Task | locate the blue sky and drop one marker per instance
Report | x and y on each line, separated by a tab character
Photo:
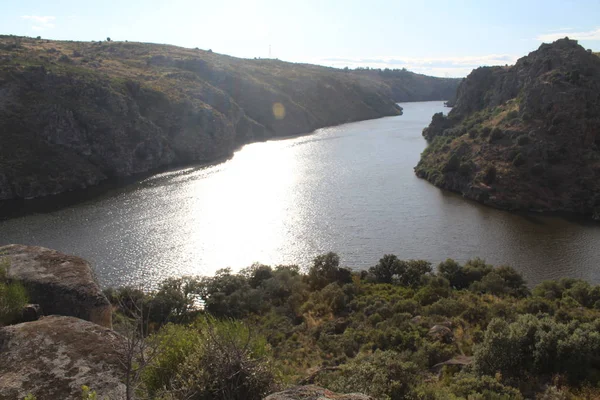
442	38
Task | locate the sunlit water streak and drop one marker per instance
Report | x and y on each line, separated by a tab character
349	189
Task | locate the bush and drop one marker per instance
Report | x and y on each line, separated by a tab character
13	297
519	160
212	360
489	175
496	134
382	374
523	140
531	346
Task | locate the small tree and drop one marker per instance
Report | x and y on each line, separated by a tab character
108	39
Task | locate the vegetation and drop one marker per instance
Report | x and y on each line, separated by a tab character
541	160
13	296
388	331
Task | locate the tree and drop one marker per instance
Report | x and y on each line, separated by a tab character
388	268
108	39
326	270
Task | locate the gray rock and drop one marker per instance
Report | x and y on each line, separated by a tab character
441	333
31	312
312	392
61	284
53	357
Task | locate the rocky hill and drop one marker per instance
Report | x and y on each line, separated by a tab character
525	137
73	114
409	86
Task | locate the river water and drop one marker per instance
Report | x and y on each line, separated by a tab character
349	189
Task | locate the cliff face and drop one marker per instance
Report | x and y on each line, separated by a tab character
523	137
73	114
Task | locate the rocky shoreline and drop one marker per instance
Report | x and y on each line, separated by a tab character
525	137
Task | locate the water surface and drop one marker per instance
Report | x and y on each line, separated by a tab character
349	189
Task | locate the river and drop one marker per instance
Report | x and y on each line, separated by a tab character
349	189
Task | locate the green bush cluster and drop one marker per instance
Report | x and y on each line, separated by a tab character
13	296
372	331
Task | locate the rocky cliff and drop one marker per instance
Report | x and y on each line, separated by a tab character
73	114
525	137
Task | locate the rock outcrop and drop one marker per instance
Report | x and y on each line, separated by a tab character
525	137
53	357
312	392
61	284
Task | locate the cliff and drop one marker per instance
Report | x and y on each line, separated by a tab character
524	137
73	114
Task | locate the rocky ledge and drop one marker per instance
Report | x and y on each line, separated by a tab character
54	357
525	137
59	283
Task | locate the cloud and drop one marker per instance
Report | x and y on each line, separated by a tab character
588	35
40	22
436	66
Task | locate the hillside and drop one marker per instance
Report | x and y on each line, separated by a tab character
409	86
73	114
524	137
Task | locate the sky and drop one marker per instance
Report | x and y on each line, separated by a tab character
440	38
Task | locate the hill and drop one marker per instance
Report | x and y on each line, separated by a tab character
73	114
524	137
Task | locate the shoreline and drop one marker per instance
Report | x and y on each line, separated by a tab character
18	208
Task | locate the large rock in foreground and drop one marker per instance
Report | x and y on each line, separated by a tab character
53	357
312	392
525	137
61	284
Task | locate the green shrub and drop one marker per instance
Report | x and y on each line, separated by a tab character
13	297
537	346
489	175
211	360
496	134
382	374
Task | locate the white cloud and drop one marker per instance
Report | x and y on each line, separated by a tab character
40	22
436	66
551	37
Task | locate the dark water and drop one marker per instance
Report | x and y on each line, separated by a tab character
349	189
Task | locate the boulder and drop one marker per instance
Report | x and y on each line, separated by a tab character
312	392
53	357
31	312
61	284
441	333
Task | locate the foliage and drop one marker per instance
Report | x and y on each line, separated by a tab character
211	359
382	374
369	331
13	296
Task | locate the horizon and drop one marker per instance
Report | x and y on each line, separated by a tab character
443	41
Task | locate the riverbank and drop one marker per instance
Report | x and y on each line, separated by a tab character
349	188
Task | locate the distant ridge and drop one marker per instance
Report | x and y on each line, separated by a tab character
73	114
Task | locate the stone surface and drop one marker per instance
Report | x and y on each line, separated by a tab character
53	357
441	333
312	392
524	137
31	312
61	284
460	361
